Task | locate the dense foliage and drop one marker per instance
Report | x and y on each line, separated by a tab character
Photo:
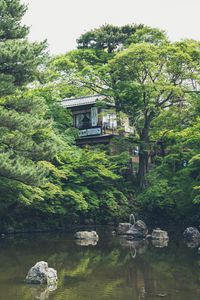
107	37
27	138
173	185
45	178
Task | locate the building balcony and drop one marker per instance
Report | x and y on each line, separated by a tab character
100	129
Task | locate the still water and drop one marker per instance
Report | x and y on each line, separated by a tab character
113	269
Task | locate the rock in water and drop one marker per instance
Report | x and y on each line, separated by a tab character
191	233
40	273
159	234
192	237
123	228
141	226
51	277
86	235
138	230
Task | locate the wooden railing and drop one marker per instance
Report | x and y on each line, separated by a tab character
105	128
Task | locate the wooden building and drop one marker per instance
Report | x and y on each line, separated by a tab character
95	124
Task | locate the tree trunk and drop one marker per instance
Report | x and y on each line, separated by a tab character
143	165
143	153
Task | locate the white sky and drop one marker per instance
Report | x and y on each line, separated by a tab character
63	21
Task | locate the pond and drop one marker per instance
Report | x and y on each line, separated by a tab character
112	269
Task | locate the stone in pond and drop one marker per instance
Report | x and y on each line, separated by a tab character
159	234
138	230
86	235
191	234
40	273
123	228
52	277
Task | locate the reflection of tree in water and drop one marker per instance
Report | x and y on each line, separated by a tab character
106	271
103	274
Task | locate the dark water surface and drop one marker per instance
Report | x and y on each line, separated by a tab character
110	270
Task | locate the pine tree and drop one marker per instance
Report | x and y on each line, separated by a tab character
12	12
27	141
19	59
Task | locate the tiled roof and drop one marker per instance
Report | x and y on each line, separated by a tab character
72	102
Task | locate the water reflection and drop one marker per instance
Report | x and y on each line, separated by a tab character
86	242
41	292
192	244
160	243
106	271
135	246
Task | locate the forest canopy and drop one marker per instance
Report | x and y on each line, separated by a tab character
46	179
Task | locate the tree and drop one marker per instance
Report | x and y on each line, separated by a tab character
85	185
41	173
147	35
174	183
107	37
12	12
27	139
19	59
146	79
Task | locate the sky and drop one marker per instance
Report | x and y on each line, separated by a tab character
61	22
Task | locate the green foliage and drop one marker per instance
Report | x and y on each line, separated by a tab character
27	137
26	140
85	186
174	182
11	15
151	81
150	77
146	79
43	174
107	37
157	195
147	35
18	62
19	59
62	120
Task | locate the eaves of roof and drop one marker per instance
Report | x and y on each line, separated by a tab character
89	100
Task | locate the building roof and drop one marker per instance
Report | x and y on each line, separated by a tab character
73	102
